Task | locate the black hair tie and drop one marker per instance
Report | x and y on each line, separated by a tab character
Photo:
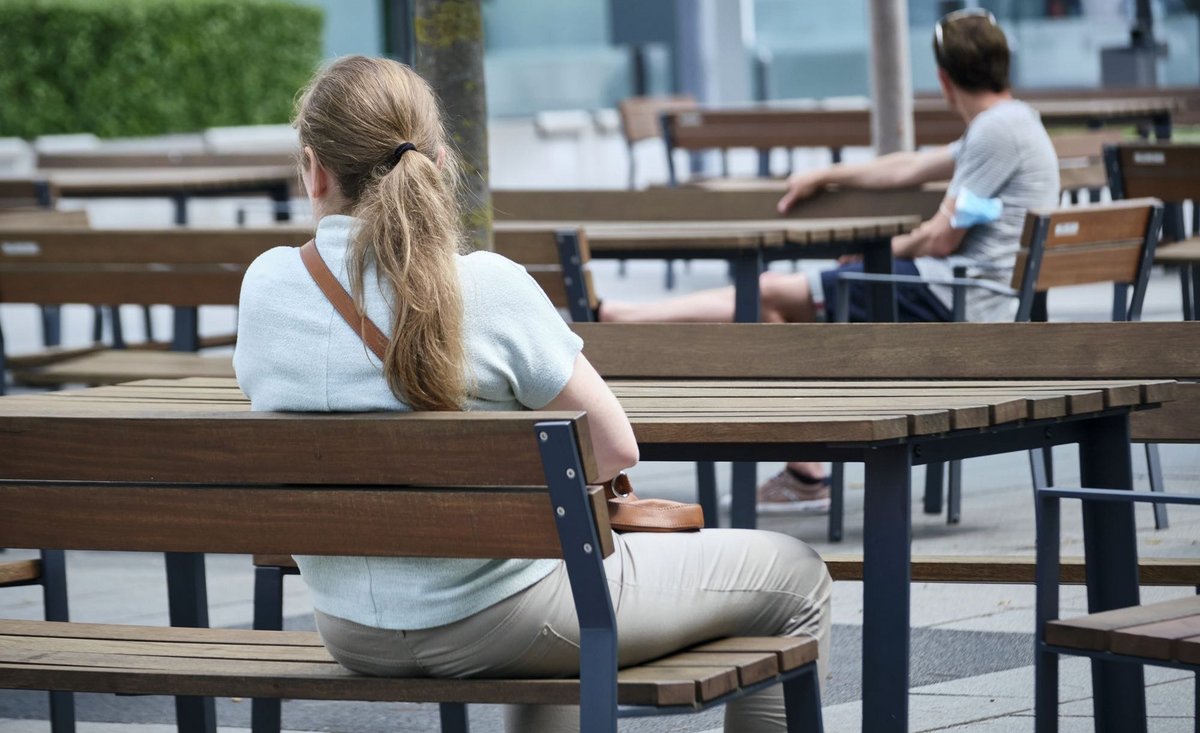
399	152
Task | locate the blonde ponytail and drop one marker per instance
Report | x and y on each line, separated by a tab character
357	116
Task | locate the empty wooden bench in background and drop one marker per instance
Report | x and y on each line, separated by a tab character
187	268
148	477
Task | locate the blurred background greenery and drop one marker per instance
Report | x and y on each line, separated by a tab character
144	67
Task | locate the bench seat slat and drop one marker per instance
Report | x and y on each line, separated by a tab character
674	685
177	634
20	571
751	667
168	649
790	652
238	662
1156	641
1093	632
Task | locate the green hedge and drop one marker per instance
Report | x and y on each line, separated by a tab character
146	67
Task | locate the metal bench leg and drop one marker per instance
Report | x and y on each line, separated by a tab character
118	333
1185	289
1154	468
706	492
802	701
837	501
54	596
97	323
266	714
933	488
187	600
954	503
454	717
1041	465
148	323
52	325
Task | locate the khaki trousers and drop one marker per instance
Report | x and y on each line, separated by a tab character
669	591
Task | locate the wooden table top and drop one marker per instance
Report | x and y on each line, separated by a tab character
671	411
129	181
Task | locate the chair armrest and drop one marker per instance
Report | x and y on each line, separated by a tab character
1154	497
959	285
1048	529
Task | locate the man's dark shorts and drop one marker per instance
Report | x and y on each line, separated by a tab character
914	303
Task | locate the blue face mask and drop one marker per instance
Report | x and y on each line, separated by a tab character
970	210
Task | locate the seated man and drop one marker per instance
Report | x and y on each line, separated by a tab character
1005	155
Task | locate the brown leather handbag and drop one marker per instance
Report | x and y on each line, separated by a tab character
626	512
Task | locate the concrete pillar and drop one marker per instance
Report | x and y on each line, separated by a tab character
891	81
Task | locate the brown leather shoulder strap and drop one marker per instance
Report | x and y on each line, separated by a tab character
342	302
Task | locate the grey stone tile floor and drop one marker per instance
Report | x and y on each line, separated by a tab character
971	644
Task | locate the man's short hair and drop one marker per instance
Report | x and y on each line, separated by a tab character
973	52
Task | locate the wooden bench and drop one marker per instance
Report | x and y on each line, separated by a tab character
145	478
1169	172
191	267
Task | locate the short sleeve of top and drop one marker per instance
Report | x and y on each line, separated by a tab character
518	345
985	158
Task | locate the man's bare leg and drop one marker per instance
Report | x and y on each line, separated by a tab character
786	298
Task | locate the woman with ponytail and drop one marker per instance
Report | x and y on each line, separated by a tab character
472	332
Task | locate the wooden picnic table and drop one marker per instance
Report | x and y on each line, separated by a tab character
887	425
747	245
178	184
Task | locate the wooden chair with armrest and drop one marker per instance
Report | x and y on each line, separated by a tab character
1073	246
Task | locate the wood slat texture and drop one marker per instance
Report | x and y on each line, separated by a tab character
1015	569
108	441
222	662
38	218
686	203
166	181
1179	253
331	520
1093	632
640	116
115	367
1155	641
195	286
894	351
165	245
1166	171
1118	221
1080	265
19	571
957	569
170	159
790	652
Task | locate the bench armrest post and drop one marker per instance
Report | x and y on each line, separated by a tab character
1048	571
583	554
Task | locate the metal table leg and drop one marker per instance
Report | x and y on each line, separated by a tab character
1110	545
743	513
887	532
881	297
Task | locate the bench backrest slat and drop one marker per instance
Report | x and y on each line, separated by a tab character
166	159
426	449
487	523
139	286
895	351
41	217
696	204
558	259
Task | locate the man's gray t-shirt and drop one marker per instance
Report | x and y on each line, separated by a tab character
1004	154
